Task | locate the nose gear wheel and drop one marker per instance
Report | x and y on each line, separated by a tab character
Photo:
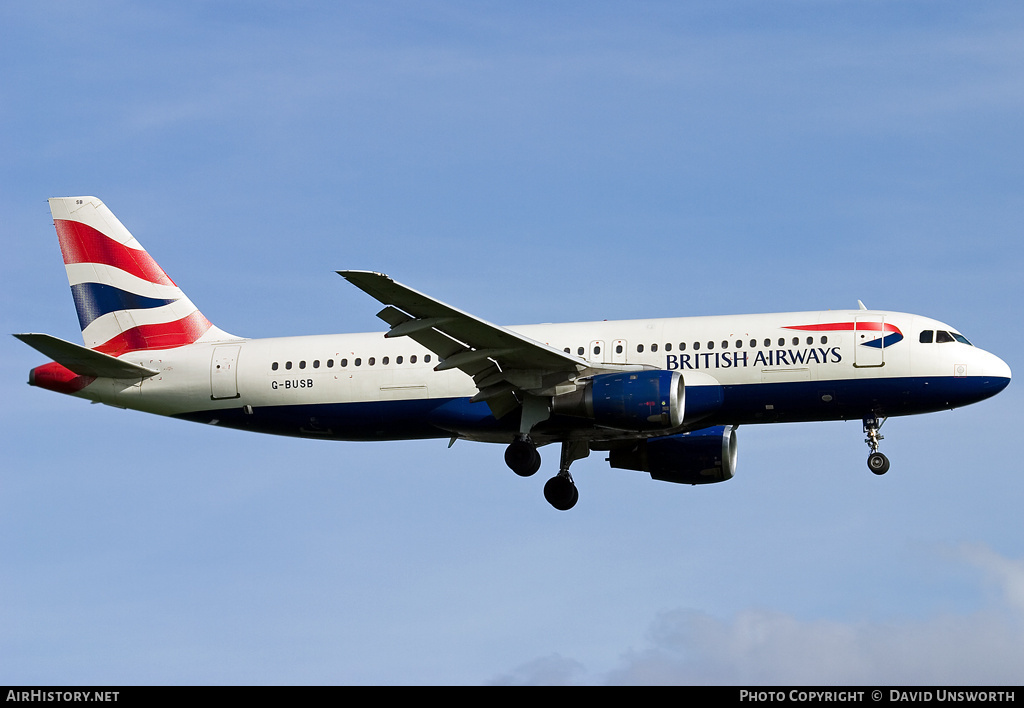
877	462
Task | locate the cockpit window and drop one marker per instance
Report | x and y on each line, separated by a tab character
941	336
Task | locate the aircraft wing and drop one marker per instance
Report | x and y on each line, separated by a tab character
501	362
84	361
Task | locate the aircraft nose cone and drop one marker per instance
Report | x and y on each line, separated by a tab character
1004	372
997	375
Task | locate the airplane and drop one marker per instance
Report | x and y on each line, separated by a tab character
661	396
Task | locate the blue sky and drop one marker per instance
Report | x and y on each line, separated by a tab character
526	162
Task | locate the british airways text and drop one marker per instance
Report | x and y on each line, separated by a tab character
770	357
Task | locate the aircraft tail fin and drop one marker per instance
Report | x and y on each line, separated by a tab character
125	301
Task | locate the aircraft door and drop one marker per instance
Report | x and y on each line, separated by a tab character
597	351
619	351
869	341
224	372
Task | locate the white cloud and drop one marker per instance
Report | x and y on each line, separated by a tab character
554	670
1006	574
767	647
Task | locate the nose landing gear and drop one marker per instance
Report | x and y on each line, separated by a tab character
877	462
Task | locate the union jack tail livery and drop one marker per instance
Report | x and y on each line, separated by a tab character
125	301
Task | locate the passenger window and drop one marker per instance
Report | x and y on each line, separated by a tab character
654	347
618	348
711	345
597	350
824	340
358	362
696	346
273	367
302	364
426	358
810	340
739	344
682	346
344	363
753	344
288	365
316	363
330	363
640	348
668	347
725	344
566	350
782	342
398	360
579	351
767	342
385	361
927	336
412	359
371	361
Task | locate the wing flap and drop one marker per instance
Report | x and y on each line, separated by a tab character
461	326
500	361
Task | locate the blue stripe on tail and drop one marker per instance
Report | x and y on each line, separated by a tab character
93	300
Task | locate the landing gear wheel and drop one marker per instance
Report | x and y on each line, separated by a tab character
522	457
878	463
561	492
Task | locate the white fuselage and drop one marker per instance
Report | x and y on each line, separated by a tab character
770	367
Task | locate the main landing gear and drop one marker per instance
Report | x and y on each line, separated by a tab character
560	491
877	462
522	456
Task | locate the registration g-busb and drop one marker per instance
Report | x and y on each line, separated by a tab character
661	396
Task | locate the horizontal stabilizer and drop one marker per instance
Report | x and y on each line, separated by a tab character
84	361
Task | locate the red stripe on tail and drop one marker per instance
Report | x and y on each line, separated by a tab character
80	243
157	336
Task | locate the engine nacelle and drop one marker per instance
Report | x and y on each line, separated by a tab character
700	457
631	400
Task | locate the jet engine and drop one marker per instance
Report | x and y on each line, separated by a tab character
699	457
631	400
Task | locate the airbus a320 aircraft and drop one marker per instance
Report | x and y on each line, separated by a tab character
662	396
